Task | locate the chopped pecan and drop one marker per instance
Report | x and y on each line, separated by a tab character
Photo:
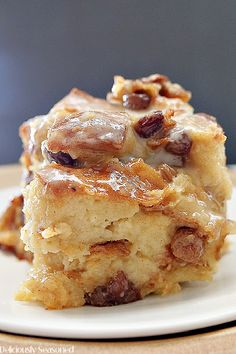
134	94
136	100
167	172
187	245
153	85
119	247
155	78
157	142
168	89
118	290
171	90
180	146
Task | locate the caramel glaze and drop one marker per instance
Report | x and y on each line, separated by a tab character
134	182
104	130
34	131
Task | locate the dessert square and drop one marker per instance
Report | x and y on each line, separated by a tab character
123	197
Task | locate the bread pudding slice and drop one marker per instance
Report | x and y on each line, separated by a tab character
123	197
127	204
34	131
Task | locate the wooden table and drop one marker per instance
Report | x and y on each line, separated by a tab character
215	340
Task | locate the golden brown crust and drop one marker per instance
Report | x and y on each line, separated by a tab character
167	172
133	182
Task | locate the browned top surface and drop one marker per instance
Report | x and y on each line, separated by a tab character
33	131
132	182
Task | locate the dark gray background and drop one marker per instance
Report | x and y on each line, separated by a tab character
49	46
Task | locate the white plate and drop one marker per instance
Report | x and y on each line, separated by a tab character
198	305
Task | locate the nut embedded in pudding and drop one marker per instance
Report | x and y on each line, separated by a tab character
170	90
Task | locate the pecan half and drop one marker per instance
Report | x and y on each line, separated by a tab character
118	290
187	245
